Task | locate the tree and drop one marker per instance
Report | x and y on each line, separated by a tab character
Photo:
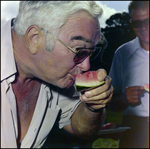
118	31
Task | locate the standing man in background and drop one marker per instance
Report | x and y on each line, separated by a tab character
130	72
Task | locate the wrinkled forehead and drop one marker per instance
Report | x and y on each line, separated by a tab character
83	25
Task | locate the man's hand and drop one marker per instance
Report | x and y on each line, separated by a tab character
84	122
133	93
100	96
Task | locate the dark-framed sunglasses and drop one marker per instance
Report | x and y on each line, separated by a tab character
81	53
138	23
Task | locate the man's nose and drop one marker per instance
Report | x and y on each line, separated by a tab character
144	26
85	65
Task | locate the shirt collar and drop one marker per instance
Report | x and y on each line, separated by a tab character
135	45
8	67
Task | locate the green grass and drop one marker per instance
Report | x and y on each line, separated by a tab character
112	117
105	143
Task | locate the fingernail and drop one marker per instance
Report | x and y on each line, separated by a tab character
83	98
101	77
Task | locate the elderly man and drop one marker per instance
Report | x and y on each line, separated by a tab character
48	43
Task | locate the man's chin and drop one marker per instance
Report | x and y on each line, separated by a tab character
68	84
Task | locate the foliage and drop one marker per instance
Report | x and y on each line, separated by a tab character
118	19
117	32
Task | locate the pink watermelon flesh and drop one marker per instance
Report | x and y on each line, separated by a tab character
108	126
87	80
146	87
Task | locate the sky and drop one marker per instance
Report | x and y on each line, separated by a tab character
9	9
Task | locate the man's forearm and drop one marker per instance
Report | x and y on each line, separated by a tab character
86	123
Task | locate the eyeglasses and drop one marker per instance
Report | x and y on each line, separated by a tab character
138	23
81	53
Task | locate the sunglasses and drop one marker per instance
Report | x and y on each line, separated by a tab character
138	23
81	53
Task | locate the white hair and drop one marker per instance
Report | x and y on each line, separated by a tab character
51	15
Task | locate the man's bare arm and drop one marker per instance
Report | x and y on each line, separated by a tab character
85	123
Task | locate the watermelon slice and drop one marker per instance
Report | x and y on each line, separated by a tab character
146	87
87	81
108	126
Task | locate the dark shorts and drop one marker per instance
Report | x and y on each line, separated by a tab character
138	136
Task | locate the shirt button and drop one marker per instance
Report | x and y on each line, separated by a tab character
11	79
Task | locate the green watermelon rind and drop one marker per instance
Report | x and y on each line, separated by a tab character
146	87
82	88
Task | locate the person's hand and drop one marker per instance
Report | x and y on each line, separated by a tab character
100	96
133	93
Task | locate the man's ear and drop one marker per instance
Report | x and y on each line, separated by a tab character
33	35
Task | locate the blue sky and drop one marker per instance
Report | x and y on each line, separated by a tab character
112	7
9	9
117	5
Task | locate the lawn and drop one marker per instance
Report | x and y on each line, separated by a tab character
112	117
